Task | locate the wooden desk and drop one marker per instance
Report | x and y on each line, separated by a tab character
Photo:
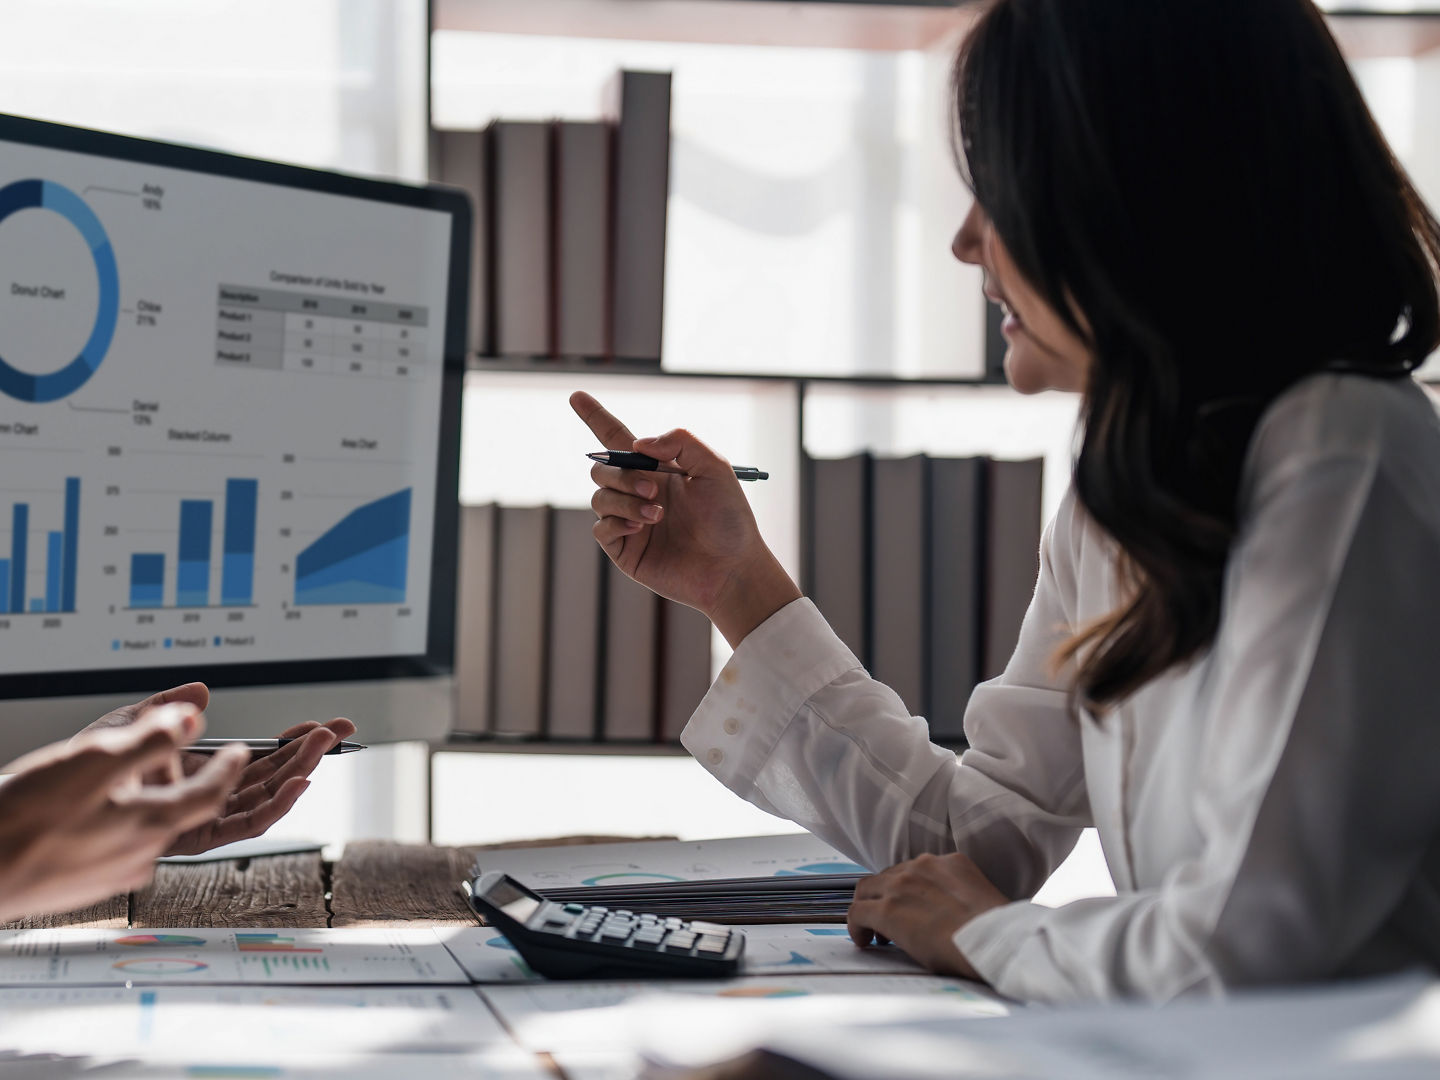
375	883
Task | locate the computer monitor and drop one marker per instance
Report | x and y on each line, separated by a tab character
229	437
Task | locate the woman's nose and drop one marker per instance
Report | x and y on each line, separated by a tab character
969	242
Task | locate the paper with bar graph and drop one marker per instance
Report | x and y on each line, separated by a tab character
376	957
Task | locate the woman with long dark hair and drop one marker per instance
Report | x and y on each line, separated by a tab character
1229	663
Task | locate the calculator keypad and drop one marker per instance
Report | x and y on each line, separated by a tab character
625	928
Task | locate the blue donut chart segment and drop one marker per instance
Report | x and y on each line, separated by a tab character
46	195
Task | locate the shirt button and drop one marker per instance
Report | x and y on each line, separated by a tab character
732	725
715	755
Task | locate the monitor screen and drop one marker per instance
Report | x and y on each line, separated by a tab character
229	418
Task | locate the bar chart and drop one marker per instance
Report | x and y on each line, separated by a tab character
60	552
194	563
362	559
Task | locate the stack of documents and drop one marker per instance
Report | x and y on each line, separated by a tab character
752	879
815	898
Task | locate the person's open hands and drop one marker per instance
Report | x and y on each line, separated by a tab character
690	538
919	904
267	788
78	823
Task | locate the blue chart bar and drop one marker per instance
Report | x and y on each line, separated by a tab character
54	563
237	565
147	580
192	585
19	535
71	543
362	559
57	546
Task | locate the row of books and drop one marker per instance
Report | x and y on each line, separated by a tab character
568	258
553	642
925	566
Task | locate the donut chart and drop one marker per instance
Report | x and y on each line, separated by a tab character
48	195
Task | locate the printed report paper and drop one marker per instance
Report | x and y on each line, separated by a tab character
69	957
245	1023
618	1015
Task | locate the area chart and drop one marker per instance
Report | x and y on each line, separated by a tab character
362	559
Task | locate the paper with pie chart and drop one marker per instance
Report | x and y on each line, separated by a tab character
376	957
657	861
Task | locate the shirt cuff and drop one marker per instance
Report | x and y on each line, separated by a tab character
991	940
779	666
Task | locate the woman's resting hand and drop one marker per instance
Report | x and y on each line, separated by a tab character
919	904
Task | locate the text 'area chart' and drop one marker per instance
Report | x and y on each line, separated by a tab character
219	407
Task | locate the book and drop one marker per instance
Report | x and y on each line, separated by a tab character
632	630
899	589
957	522
475	619
837	532
1012	555
685	666
574	653
639	103
582	238
521	573
461	162
519	274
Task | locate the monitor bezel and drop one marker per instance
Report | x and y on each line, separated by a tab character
439	657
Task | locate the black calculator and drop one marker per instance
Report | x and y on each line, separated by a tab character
578	941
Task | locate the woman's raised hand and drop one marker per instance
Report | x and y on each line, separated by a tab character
690	538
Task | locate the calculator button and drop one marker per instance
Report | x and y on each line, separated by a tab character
574	909
673	923
709	928
615	933
679	941
711	945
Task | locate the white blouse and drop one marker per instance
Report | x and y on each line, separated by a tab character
1270	811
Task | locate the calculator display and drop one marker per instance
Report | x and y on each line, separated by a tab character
511	900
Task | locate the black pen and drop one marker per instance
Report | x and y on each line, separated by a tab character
261	747
629	459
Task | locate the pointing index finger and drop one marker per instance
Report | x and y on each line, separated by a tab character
613	435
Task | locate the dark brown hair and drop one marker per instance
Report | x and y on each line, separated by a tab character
1202	179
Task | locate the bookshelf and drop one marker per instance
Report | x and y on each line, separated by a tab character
889	407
